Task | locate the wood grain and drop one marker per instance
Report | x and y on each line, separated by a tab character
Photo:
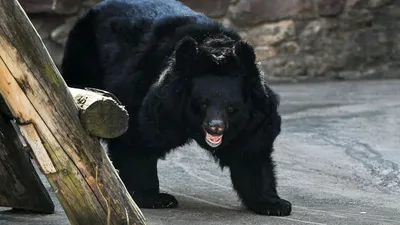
85	182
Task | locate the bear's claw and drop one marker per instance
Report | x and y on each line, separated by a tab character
272	207
158	201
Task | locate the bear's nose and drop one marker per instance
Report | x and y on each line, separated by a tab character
216	126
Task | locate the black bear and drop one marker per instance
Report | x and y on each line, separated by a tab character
181	76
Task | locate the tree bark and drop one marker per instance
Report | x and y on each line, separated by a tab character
77	168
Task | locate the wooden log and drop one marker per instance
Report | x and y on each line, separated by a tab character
20	186
81	174
101	113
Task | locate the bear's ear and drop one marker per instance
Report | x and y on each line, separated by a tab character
245	52
185	52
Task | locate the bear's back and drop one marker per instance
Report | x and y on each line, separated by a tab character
148	9
117	47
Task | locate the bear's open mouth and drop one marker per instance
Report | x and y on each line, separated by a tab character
213	140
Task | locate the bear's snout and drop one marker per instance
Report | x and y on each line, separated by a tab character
214	127
214	130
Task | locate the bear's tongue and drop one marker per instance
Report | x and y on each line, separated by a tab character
213	140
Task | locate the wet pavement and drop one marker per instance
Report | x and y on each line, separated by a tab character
337	158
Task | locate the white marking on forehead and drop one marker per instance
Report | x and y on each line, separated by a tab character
218	58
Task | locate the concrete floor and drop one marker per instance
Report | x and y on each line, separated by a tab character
337	160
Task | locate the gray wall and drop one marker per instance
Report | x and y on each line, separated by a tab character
294	39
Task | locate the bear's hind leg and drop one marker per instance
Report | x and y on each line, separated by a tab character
138	171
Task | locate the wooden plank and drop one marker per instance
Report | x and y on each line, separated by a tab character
85	182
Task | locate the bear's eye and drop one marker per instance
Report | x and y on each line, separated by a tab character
230	109
204	105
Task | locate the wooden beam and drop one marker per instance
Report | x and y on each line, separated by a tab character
20	186
85	182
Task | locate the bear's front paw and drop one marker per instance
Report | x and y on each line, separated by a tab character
157	201
272	207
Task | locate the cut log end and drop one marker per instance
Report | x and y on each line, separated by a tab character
105	119
101	114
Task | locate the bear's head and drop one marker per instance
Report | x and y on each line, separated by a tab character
213	89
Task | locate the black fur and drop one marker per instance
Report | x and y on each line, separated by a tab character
208	77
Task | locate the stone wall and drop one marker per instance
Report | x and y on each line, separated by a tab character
294	39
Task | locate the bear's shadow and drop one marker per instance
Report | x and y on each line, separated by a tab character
199	207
